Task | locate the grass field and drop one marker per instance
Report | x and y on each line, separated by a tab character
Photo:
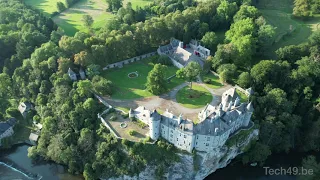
71	19
45	6
279	14
196	97
131	88
214	80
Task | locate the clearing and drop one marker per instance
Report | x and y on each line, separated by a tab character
289	31
132	88
196	97
70	20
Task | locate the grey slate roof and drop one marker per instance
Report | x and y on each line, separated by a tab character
6	125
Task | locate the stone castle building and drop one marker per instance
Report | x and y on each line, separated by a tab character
181	54
216	124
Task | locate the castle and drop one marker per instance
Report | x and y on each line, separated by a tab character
181	54
216	123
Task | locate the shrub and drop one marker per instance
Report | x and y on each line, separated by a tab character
207	81
132	132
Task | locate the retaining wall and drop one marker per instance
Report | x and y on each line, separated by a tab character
128	61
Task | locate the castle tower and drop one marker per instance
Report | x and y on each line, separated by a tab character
236	102
180	119
247	117
131	113
154	125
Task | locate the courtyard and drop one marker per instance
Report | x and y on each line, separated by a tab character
130	80
123	127
196	97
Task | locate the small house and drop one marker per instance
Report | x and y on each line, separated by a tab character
6	128
72	75
24	108
33	138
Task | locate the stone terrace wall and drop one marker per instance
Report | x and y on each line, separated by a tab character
128	61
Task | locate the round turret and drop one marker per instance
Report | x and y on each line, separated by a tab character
154	125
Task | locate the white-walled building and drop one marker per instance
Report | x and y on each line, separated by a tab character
215	126
6	128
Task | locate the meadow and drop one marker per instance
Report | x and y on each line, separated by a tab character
132	88
279	14
70	20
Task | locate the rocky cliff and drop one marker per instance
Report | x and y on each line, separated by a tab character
200	164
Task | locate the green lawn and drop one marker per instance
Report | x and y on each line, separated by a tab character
131	88
214	80
243	97
196	97
279	14
45	6
71	19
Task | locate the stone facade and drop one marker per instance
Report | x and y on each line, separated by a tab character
216	124
128	61
181	54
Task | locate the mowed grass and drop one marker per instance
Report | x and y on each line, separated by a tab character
196	97
70	20
214	81
45	6
279	14
132	88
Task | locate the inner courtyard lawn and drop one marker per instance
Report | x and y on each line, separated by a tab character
212	81
243	96
196	97
132	88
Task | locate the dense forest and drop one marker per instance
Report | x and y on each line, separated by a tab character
37	56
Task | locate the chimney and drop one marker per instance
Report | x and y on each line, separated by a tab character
181	44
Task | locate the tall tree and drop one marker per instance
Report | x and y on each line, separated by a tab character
156	82
190	72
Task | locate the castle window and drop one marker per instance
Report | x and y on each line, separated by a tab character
197	137
185	136
208	138
177	139
196	143
207	144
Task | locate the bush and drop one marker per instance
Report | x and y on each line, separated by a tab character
132	132
207	81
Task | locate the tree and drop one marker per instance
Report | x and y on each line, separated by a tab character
301	8
83	58
156	82
246	12
210	40
114	5
60	6
102	85
190	72
227	72
244	80
84	87
93	70
87	20
310	163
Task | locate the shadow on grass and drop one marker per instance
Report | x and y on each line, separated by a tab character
66	25
194	98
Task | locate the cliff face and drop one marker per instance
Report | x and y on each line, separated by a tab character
200	165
